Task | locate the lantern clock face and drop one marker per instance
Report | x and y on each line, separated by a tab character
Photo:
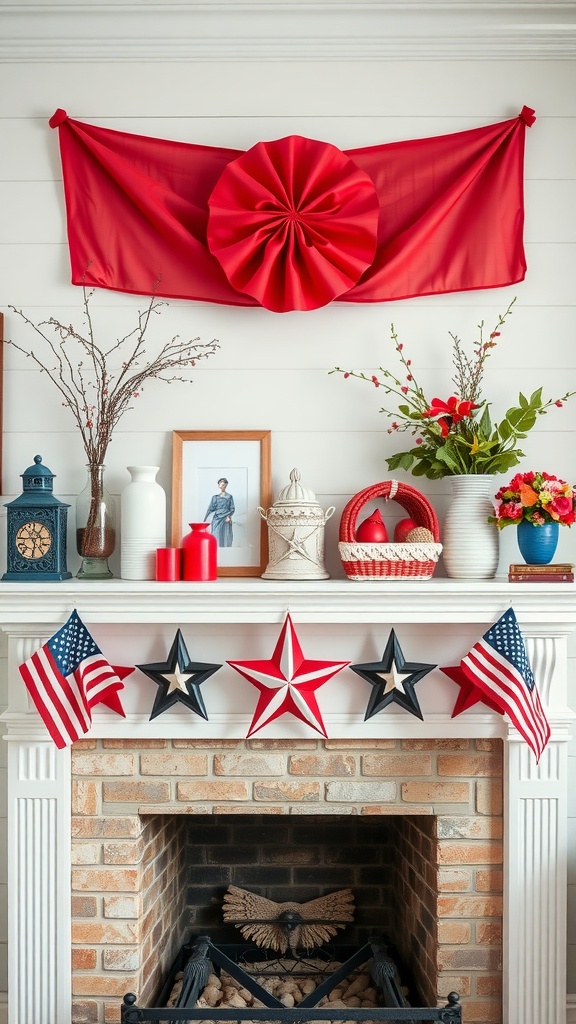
33	540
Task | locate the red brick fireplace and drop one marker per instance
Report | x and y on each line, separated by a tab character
478	827
442	808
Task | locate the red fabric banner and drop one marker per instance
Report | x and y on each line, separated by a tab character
294	223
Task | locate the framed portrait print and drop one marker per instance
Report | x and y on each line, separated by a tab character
222	477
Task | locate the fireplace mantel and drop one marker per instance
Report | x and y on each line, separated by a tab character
535	797
255	600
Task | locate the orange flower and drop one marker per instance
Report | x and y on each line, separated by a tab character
528	495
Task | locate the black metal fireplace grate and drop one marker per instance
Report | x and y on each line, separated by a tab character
200	957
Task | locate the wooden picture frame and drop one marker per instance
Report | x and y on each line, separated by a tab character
223	476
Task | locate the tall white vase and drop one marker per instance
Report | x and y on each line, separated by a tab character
470	543
143	523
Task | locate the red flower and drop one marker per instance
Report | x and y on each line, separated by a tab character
456	408
560	507
510	510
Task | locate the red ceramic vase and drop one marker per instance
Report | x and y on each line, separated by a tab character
199	554
372	530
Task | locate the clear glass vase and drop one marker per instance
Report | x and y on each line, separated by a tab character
95	527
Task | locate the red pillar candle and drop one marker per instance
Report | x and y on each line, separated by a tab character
199	554
168	564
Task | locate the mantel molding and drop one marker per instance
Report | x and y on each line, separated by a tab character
39	608
299	31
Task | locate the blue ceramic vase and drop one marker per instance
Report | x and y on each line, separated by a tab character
537	543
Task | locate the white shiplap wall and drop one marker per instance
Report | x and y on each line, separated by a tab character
433	75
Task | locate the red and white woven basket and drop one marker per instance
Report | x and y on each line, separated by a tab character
403	561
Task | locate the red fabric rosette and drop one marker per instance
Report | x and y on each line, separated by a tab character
293	223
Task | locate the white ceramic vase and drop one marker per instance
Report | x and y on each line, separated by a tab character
470	543
143	523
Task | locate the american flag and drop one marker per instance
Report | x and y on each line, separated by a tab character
66	678
498	665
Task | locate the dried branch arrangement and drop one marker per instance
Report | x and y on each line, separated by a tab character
79	367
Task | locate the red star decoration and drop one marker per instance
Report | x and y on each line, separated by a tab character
287	682
469	693
113	701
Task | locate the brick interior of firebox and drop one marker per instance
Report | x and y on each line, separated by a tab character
385	862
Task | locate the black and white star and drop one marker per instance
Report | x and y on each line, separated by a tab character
393	680
179	679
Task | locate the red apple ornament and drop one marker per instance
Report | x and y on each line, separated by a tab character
403	528
372	530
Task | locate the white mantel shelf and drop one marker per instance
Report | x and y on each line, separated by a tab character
232	599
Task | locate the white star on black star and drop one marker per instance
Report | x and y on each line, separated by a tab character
393	680
179	679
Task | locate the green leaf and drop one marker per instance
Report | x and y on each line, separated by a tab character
527	422
446	456
514	416
484	423
402	460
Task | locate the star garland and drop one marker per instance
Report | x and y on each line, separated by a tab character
469	694
287	682
393	680
112	700
179	679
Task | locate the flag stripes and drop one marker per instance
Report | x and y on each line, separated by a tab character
64	697
498	666
525	711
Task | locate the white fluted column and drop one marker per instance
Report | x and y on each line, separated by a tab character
535	851
39	894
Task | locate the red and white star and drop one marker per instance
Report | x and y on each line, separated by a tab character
287	682
469	694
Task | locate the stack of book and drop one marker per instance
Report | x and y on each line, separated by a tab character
556	572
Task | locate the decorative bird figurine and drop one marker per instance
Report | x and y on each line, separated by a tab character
287	926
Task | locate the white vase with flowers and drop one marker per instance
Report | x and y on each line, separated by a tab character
457	438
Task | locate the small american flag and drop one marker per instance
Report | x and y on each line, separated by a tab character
498	665
66	678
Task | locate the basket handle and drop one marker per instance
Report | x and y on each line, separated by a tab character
414	503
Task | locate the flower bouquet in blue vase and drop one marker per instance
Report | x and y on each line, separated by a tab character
537	504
